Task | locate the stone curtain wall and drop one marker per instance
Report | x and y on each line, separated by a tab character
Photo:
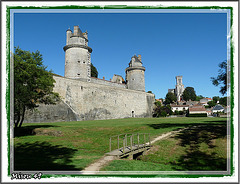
108	83
51	113
95	101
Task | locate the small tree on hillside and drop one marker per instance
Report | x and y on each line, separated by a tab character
33	84
189	94
170	98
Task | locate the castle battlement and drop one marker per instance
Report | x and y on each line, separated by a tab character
87	98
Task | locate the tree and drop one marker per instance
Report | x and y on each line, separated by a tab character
94	72
221	79
199	97
216	99
162	111
211	103
223	101
158	103
33	84
170	98
189	94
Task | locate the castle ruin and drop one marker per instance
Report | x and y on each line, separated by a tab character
87	98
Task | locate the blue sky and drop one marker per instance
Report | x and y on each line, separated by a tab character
171	44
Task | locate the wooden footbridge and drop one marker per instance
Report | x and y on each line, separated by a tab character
124	145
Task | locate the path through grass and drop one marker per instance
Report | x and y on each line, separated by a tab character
75	145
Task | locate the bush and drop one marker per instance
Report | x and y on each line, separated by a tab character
197	115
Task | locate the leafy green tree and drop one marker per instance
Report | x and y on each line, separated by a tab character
211	104
94	72
223	101
170	98
189	94
162	111
199	97
33	84
221	79
157	103
149	92
216	99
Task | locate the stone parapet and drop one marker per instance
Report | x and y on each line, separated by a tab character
77	45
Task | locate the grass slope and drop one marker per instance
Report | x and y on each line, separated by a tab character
75	145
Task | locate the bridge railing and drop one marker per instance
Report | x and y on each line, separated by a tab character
124	141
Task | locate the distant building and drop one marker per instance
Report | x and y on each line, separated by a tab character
217	108
179	88
204	101
179	107
118	79
197	109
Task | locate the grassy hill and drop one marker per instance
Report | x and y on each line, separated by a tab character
75	145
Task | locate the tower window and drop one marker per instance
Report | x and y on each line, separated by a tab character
83	61
78	61
78	73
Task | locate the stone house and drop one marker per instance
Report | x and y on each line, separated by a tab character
217	108
204	101
179	107
197	109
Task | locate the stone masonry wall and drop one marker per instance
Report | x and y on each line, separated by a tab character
95	101
108	83
51	113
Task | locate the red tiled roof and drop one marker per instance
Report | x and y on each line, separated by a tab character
197	108
179	105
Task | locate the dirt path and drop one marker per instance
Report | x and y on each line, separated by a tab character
96	166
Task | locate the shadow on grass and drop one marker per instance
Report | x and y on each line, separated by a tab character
169	125
195	159
42	156
28	130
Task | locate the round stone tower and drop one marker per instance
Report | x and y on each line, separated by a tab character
77	55
135	74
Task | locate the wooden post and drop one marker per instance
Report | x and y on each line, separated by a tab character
123	144
131	142
126	139
144	140
149	140
138	139
118	141
110	144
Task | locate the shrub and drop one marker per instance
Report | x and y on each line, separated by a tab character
197	115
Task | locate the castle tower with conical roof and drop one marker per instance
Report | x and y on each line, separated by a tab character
77	55
135	74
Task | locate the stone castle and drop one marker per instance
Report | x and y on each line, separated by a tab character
87	98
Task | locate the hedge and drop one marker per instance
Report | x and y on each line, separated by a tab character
198	115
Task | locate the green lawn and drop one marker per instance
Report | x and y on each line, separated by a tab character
75	145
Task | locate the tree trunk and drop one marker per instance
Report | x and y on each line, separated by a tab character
23	113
